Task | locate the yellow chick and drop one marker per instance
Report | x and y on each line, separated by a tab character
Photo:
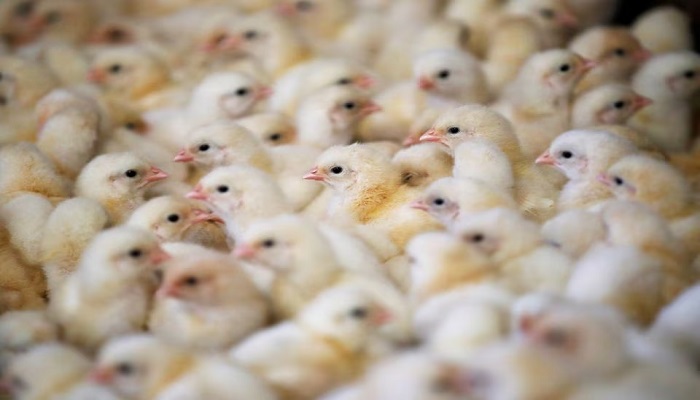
108	294
664	29
608	104
18	123
14	21
675	325
554	18
25	169
22	286
593	12
271	128
63	20
32	79
479	158
423	164
574	231
22	330
25	217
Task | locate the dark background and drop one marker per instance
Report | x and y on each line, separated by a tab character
629	10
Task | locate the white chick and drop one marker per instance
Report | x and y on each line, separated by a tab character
22	330
670	80
574	231
664	29
479	158
108	294
609	104
271	128
676	325
525	261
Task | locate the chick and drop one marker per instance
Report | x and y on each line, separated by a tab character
582	155
593	12
21	286
319	20
108	295
538	101
554	18
574	232
18	123
25	169
608	104
25	217
118	182
448	198
271	128
33	80
481	159
423	164
664	29
615	50
670	80
22	330
369	190
206	303
14	20
63	20
327	345
526	263
675	325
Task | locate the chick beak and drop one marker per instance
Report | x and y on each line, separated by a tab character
419	205
204	216
167	291
381	317
36	23
545	159
184	156
96	75
102	376
154	175
640	102
369	108
231	43
425	83
158	256
641	55
364	81
263	92
588	65
285	9
432	135
244	252
567	20
411	140
604	179
315	175
197	194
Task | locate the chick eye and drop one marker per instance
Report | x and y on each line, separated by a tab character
116	35
337	170
115	69
2	76
53	17
203	147
242	92
130	126
689	74
567	154
191	281
565	68
439	201
618	181
268	243
349	105
222	189
3	101
620	52
619	105
444	74
135	253
359	313
23	9
453	130
275	137
250	35
173	218
344	81
477	238
547	13
124	368
304	5
131	173
556	337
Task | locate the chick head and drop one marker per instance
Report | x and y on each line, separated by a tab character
234	93
128	250
117	175
221	143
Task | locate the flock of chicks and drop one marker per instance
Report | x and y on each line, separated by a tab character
371	199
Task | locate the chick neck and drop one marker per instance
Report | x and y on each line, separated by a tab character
369	192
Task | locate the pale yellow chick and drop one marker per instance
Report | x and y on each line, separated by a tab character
271	128
607	104
664	29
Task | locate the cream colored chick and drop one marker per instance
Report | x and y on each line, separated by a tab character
369	190
593	12
533	192
554	18
574	232
476	15
676	325
330	116
306	78
219	96
479	158
226	143
538	101
25	169
423	164
664	29
21	286
327	345
63	20
206	303
14	20
271	128
582	155
33	79
22	330
661	187
45	371
615	50
18	124
108	294
526	262
608	104
319	20
25	218
670	80
448	198
118	182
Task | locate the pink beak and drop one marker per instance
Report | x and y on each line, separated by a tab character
167	291
641	55
640	102
432	135
197	194
425	83
604	179
369	108
410	141
545	159
231	43
244	251
158	256
588	65
285	9
567	20
419	205
102	376
263	92
381	317
96	75
314	175
364	81
204	216
155	175
183	156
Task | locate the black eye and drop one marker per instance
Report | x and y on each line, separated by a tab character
130	126
444	74
116	35
135	253
618	181
439	202
547	13
53	17
115	69
173	218
304	5
619	105
337	170
23	9
222	189
268	243
556	337
453	130
242	92
3	101
2	76
477	238
131	173
275	137
565	68
620	52
124	368
250	35
567	154
349	105
191	281
203	147
689	74
344	81
359	313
